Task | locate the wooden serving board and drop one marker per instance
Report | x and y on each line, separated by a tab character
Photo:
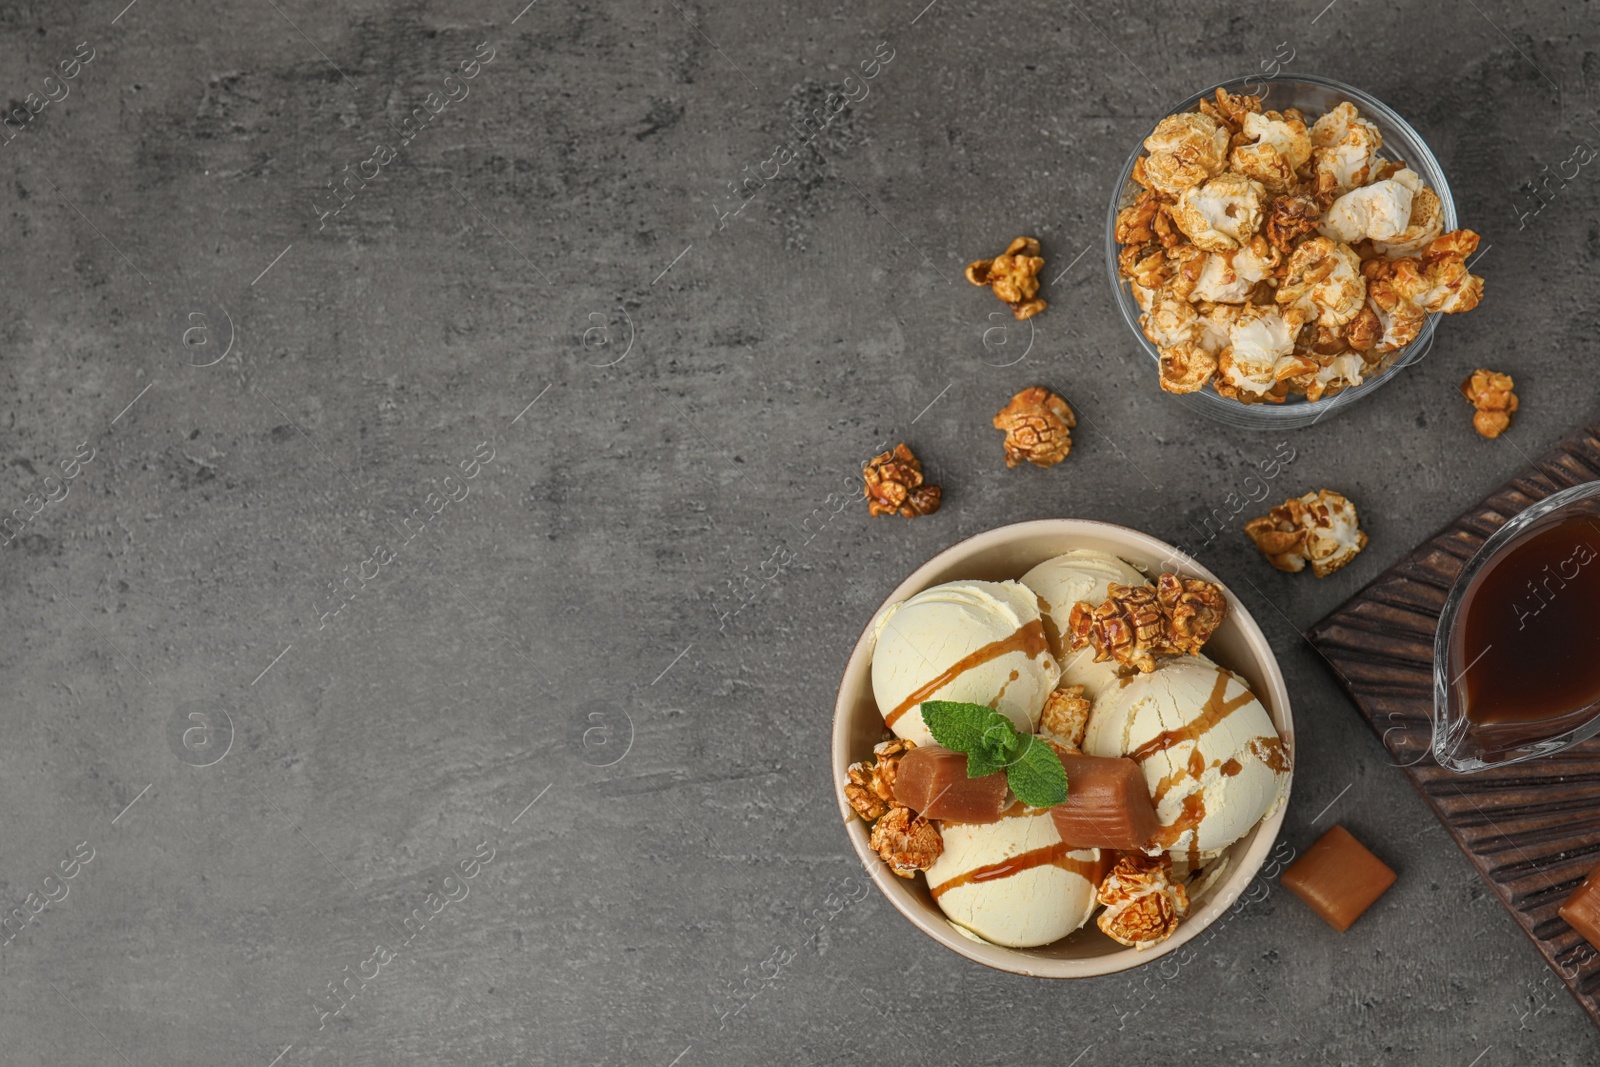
1532	829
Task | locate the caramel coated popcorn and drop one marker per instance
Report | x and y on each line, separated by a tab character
871	789
907	843
1038	426
1328	256
895	485
1490	392
1135	624
1193	608
1065	718
1014	276
1319	528
1143	905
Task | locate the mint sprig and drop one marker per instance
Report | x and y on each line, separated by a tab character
992	744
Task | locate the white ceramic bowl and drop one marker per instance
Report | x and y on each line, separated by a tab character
1008	553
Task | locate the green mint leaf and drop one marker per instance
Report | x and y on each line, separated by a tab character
999	736
981	764
1036	776
956	725
986	736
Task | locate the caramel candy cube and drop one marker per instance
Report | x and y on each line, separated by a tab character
932	781
1581	910
1108	803
1338	878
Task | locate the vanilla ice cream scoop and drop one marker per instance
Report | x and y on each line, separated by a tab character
1013	882
1082	574
977	642
1214	763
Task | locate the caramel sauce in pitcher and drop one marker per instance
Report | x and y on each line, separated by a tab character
1530	640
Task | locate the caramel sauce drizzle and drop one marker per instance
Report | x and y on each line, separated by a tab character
1029	639
1270	750
1216	709
1056	855
1052	632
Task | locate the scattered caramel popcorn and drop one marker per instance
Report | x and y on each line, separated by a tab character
1490	392
1328	256
1013	275
1143	906
907	843
1135	624
1319	528
1065	718
894	485
1038	426
871	788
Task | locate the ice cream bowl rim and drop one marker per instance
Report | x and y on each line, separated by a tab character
999	554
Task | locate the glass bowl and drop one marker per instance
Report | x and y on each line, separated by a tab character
1464	746
1314	96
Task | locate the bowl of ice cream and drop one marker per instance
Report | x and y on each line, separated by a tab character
1280	247
1084	637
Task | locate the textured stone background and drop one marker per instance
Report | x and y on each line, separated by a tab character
600	628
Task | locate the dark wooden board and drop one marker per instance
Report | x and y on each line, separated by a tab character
1532	830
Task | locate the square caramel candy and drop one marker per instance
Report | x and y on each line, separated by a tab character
1108	803
932	781
1338	878
1581	910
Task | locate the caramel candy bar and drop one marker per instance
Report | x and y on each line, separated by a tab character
1582	908
1338	878
932	781
1108	803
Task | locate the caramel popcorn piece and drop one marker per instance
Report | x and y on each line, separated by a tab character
871	788
1290	218
1450	287
1135	624
1223	213
1186	367
1065	718
1185	150
1143	906
1194	609
1363	331
1038	426
895	487
1136	222
1014	276
907	843
1319	528
1279	145
1490	392
1344	153
1322	283
1229	111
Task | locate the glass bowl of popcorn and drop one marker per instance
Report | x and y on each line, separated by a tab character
1283	246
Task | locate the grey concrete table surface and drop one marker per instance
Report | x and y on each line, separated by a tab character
574	434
